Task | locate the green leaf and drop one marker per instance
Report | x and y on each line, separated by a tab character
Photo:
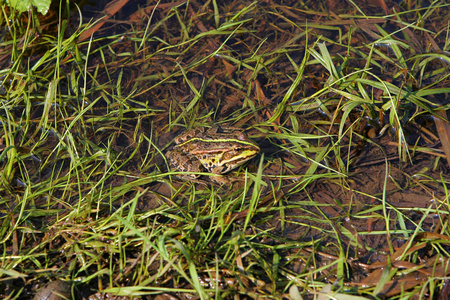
42	6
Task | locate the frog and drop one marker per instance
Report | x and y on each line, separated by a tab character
216	150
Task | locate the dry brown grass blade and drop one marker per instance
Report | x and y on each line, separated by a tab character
397	286
443	129
110	9
137	16
384	6
420	274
